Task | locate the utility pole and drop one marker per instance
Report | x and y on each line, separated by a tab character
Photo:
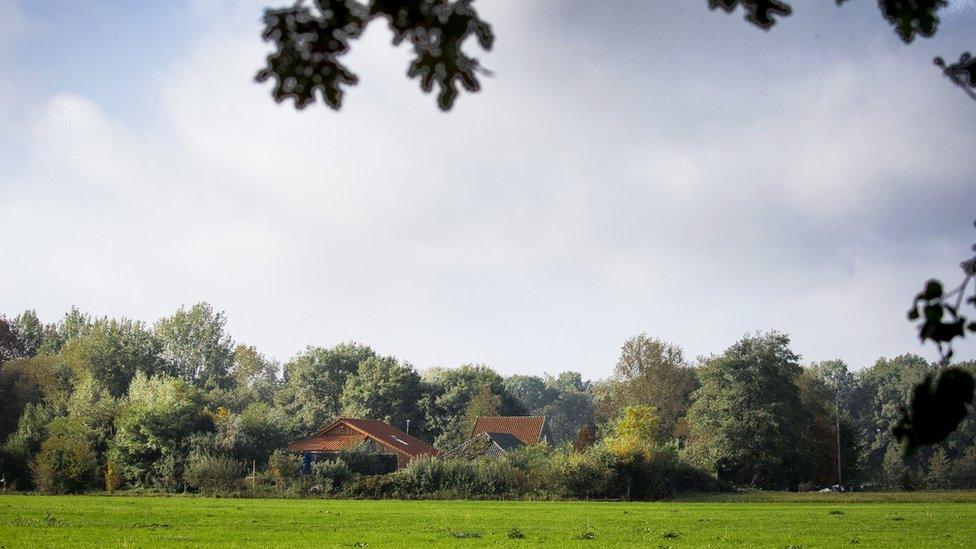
408	426
837	416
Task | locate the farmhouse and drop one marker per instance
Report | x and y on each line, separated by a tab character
348	432
497	435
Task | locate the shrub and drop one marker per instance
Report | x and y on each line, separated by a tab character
213	474
330	475
364	460
666	474
532	464
283	467
585	475
435	477
374	487
167	474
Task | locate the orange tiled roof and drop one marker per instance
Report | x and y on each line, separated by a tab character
326	443
528	429
379	431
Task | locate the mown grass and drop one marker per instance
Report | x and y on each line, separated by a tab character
782	521
948	496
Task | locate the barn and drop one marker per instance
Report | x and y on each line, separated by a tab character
349	432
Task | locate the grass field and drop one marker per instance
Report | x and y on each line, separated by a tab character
752	520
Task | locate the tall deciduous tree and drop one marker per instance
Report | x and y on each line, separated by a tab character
254	373
112	351
73	324
747	414
531	391
654	373
883	391
820	439
195	347
10	342
315	379
383	389
31	332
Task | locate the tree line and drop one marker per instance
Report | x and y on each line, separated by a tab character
101	403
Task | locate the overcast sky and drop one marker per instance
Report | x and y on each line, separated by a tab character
632	167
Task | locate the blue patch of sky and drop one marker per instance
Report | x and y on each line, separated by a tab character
113	53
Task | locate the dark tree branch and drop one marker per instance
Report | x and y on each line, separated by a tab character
962	73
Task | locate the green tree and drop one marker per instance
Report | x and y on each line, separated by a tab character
938	475
531	392
31	332
11	344
571	408
484	403
24	443
566	400
963	473
66	462
819	400
160	413
42	379
654	373
384	389
447	393
883	390
315	380
73	324
251	435
254	373
745	417
195	347
895	473
96	409
111	352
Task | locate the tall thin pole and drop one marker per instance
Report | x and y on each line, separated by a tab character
837	416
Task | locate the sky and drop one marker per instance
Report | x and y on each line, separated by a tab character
632	166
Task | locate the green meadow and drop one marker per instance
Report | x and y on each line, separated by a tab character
750	520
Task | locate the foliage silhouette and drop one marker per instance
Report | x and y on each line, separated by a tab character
309	42
936	410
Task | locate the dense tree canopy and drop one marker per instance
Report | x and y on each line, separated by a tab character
749	400
103	403
315	379
383	388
